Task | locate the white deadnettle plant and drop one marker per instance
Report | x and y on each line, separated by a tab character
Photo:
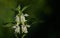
20	19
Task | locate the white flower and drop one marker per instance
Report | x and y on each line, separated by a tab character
14	27
28	26
17	19
26	15
24	29
23	20
17	29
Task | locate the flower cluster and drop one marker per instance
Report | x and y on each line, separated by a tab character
20	19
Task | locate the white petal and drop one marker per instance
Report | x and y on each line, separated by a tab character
22	19
26	15
14	27
17	30
27	25
17	19
24	29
